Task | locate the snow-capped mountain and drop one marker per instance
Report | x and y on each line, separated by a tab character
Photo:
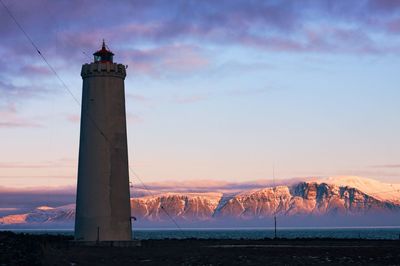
305	198
315	199
375	188
43	214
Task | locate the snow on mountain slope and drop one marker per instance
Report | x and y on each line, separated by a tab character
374	188
14	219
42	214
303	198
335	196
184	205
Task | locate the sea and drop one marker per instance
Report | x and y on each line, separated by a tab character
246	233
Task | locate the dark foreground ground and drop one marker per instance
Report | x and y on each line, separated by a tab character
24	249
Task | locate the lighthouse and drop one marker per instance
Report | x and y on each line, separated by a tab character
103	198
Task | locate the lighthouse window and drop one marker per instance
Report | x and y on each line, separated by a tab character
107	57
104	57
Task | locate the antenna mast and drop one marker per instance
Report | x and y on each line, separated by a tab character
273	178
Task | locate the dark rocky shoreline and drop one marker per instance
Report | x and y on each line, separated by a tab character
28	249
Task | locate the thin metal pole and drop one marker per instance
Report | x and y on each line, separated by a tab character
273	176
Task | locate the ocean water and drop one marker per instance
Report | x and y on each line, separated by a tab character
248	233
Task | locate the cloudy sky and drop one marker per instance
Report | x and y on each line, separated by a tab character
217	90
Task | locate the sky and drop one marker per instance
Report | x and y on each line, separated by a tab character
215	90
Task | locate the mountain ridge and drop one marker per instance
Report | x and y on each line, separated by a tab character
306	199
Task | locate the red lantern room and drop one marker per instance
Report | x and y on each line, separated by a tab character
104	55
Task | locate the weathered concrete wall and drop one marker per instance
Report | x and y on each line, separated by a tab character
103	206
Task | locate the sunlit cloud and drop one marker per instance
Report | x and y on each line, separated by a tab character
10	118
138	98
38	164
390	166
229	49
189	99
35	70
134	118
244	92
165	59
73	118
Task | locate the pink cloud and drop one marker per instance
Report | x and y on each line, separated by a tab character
43	164
244	92
34	190
189	99
390	166
21	123
134	118
12	95
37	176
10	118
272	43
322	39
157	22
166	59
137	97
36	70
185	61
74	118
393	25
381	173
177	33
384	5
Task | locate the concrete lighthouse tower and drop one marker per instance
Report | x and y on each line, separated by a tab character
102	203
